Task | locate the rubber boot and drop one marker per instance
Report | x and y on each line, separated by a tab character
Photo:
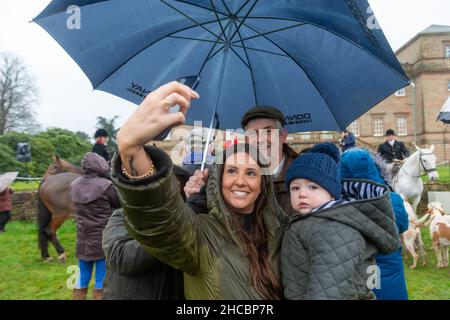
97	294
80	294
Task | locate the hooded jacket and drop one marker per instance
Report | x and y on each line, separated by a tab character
95	199
360	164
6	199
205	247
326	254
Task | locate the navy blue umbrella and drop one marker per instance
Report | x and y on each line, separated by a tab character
323	63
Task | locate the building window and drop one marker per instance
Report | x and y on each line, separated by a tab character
400	93
402	129
354	128
447	51
324	136
305	136
378	129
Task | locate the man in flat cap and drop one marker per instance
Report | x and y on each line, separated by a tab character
264	129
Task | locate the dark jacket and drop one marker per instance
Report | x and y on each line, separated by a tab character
358	164
6	200
281	193
101	150
326	254
347	142
204	246
132	273
95	198
397	151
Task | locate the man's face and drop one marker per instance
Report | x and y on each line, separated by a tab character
102	140
264	134
390	138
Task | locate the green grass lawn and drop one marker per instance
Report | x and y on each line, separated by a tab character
24	276
444	175
25	185
427	282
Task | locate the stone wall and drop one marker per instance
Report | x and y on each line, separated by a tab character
24	205
430	186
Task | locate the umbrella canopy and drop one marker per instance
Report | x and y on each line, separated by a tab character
6	179
444	115
321	62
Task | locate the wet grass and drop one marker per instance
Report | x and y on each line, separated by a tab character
23	276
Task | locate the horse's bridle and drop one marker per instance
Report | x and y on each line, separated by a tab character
425	169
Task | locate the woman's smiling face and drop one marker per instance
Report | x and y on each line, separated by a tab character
241	182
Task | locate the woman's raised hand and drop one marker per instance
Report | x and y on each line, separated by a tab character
149	119
153	115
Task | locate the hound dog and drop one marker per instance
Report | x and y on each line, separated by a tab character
412	237
440	232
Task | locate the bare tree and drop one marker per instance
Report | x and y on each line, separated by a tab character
18	95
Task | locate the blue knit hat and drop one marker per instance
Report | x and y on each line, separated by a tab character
320	165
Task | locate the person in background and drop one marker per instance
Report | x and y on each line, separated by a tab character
361	164
195	144
392	149
95	199
6	198
101	136
347	141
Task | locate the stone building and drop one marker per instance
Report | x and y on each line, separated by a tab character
426	60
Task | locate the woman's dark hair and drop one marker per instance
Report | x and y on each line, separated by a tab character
255	241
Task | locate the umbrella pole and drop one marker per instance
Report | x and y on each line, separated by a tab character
213	117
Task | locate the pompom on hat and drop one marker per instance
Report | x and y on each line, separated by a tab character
321	164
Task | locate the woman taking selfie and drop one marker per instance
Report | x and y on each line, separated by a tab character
229	252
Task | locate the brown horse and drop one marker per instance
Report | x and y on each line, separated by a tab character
55	204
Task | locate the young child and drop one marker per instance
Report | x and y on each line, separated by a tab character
328	247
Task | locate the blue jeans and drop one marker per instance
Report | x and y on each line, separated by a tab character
86	268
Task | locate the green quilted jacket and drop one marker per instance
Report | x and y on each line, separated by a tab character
327	253
204	246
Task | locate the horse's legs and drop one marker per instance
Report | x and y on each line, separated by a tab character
55	223
44	247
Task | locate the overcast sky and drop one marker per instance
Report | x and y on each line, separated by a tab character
66	96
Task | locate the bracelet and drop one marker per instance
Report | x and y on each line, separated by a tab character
149	173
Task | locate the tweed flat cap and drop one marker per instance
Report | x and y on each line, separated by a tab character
263	112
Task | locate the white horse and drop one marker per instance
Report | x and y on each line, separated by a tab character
408	182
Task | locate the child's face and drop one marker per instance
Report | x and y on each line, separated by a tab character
307	195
